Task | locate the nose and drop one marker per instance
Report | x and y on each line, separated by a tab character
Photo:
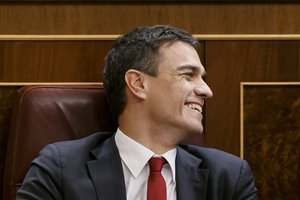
203	90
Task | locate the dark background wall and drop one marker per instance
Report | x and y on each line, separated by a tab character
250	56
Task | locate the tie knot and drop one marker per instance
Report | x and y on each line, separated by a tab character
156	164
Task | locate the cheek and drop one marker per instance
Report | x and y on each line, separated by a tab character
169	93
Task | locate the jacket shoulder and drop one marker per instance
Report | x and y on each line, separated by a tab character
229	175
86	142
73	150
214	158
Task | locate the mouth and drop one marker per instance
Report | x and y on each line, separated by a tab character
194	106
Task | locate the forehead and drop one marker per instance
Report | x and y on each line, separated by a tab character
179	56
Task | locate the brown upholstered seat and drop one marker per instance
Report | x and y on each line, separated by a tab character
46	114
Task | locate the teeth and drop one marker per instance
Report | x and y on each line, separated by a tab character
195	107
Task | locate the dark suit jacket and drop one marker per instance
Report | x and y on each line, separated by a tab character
90	169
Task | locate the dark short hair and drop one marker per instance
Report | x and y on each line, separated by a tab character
138	50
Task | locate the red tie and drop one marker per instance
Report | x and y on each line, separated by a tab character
156	184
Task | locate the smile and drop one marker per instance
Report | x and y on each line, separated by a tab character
195	107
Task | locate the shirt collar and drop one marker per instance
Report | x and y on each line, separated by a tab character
136	156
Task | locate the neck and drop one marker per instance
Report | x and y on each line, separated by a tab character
151	135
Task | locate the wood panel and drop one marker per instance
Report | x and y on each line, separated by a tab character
52	61
272	138
230	62
117	18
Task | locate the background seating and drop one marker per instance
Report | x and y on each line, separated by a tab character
46	114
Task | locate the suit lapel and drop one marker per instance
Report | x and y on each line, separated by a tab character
106	172
191	180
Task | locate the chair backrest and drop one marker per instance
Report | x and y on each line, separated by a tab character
46	114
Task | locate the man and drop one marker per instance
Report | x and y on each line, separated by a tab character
153	79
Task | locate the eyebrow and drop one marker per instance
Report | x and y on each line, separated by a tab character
193	68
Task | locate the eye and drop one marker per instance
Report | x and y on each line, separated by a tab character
188	75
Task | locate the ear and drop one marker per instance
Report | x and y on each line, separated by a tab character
135	83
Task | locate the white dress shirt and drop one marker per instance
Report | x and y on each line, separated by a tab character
136	170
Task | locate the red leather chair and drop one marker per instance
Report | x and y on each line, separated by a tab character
46	114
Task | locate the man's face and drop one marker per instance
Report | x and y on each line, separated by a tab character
176	96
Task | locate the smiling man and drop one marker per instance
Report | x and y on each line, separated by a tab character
164	109
153	78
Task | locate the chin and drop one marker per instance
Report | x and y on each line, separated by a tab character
188	129
196	131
